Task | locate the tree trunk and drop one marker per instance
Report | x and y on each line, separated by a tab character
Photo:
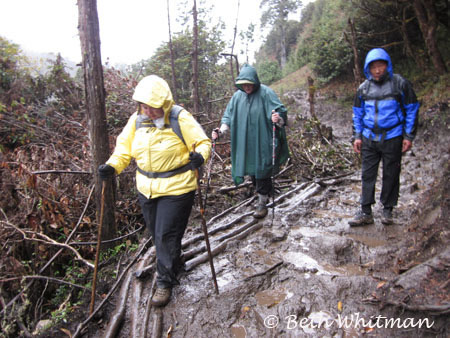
311	93
426	14
172	57
408	47
195	62
95	107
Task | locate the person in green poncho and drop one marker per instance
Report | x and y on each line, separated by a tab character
250	116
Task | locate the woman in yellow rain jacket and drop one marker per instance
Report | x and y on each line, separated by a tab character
165	177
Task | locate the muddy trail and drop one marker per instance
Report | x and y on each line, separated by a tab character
302	271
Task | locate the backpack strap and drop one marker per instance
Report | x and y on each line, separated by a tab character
174	123
143	121
395	93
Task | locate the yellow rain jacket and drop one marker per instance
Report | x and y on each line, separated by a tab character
159	150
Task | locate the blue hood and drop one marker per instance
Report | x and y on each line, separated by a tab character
377	54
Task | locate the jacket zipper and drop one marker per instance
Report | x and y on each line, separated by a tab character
375	122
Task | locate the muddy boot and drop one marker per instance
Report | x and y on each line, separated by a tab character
386	217
261	207
361	219
161	296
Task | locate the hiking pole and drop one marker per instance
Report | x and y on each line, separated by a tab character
97	254
274	128
208	180
205	230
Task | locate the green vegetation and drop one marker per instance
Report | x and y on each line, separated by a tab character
323	39
268	71
214	76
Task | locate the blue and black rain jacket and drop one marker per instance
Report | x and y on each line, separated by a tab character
384	109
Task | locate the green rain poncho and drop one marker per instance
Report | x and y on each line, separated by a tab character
250	122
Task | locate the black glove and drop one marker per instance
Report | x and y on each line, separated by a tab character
105	171
196	160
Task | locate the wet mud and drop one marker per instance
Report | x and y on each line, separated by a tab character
306	272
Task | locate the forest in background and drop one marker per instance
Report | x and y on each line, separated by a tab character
46	173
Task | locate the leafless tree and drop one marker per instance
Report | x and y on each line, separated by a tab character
172	57
195	61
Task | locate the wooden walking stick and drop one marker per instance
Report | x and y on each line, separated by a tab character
205	229
99	240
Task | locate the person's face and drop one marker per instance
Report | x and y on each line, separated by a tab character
248	87
377	69
153	113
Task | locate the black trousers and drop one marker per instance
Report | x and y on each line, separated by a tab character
390	152
262	186
166	218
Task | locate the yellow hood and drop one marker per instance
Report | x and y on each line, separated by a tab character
155	92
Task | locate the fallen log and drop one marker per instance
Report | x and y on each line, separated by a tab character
135	316
222	246
243	203
188	255
119	315
148	308
144	272
82	325
224	190
136	296
237	231
157	324
310	190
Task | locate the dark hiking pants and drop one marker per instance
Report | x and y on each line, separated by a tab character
262	186
390	153
166	218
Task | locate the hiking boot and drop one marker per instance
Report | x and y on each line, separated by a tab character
386	217
161	296
361	219
261	207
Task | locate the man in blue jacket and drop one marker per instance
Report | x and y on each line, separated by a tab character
385	117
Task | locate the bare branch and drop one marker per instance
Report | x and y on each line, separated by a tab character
51	279
47	240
